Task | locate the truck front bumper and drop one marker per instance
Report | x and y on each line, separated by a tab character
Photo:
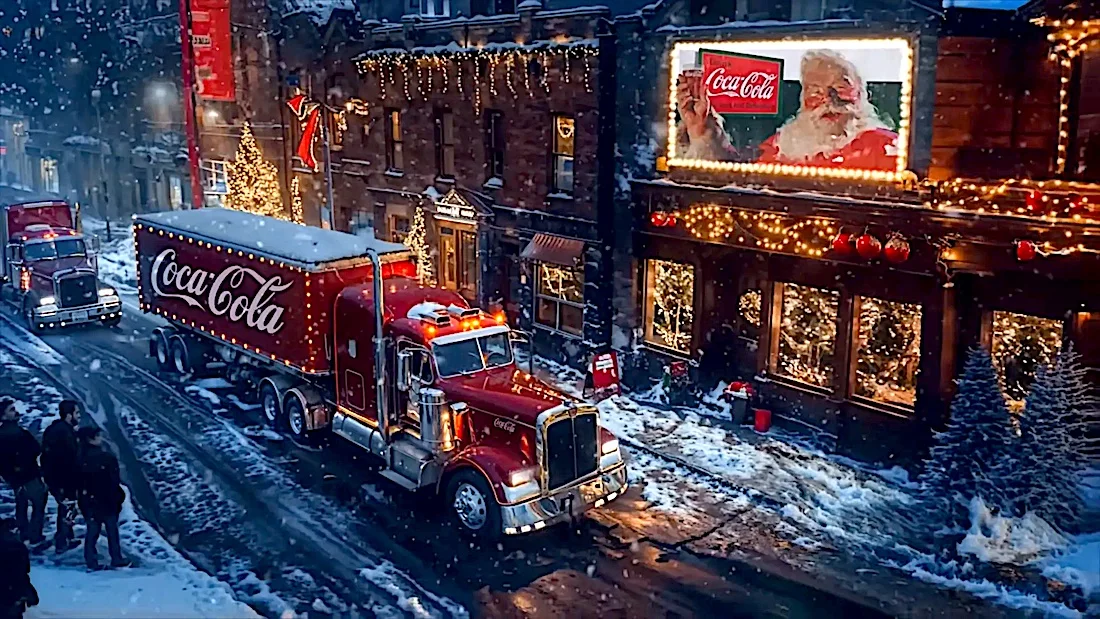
52	316
568	503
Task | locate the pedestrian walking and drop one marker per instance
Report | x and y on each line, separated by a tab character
61	470
101	497
16	590
19	452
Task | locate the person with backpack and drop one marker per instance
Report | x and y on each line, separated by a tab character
101	497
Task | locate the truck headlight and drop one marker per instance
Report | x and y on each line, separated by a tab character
611	446
107	292
522	476
47	301
521	485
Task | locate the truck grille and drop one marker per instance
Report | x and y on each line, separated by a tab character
572	449
77	290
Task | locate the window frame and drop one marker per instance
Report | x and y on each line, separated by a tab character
773	361
49	169
494	144
852	374
442	117
558	154
215	170
648	314
558	302
394	134
394	219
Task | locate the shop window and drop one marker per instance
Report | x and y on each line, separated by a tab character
175	192
458	258
362	223
888	351
1021	344
214	177
51	182
670	304
395	159
494	143
445	143
807	334
399	229
563	154
560	298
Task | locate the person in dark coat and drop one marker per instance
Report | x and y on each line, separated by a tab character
19	467
61	470
101	497
16	590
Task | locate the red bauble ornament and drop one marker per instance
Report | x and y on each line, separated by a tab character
1036	202
897	250
842	244
1025	250
670	219
868	247
658	218
1076	204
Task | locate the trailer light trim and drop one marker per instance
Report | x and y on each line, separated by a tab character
510	531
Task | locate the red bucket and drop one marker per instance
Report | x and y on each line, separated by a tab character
762	420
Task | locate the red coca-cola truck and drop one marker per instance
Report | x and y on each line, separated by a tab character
49	268
337	334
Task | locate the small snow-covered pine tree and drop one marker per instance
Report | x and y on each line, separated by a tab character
1043	475
964	460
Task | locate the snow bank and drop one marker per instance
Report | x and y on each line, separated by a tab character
1001	539
116	258
1079	565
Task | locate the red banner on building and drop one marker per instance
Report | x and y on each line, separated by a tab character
741	84
213	49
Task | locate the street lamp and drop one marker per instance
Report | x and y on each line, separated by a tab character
96	96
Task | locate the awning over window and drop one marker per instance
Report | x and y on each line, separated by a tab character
553	249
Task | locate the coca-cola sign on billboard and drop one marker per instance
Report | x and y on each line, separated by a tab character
839	107
741	84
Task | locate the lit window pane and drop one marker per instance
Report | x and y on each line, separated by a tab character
670	300
807	334
888	357
1021	345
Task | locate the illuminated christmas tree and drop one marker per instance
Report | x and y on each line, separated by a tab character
808	334
673	296
253	182
417	241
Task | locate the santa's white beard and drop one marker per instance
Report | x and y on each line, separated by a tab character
808	135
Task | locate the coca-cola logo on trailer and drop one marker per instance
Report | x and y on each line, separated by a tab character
220	293
741	84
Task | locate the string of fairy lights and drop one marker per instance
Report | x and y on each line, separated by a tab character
769	231
420	74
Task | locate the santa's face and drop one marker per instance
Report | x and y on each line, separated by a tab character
830	94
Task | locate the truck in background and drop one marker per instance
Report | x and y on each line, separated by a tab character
336	333
50	270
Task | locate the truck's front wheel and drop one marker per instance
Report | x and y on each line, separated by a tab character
472	505
32	322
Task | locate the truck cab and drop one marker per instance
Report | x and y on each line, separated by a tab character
508	453
49	268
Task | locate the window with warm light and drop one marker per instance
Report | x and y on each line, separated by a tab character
1020	345
50	180
395	160
399	229
564	128
807	334
559	298
887	351
670	304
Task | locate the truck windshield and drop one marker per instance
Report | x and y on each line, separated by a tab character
48	250
472	355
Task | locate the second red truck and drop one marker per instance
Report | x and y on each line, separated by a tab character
337	334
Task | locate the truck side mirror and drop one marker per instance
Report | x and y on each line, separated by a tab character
404	369
93	244
523	337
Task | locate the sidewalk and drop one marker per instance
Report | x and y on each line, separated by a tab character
725	493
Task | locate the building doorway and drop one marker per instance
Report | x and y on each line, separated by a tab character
458	260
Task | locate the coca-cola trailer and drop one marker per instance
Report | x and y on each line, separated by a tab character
336	334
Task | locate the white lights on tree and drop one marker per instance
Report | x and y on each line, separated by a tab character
673	303
253	182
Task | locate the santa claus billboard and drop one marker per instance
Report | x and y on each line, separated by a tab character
837	107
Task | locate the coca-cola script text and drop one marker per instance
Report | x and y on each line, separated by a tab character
221	293
737	84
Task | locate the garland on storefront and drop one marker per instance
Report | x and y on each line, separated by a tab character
446	69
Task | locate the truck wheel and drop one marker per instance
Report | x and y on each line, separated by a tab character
181	360
113	322
28	315
294	420
472	506
269	402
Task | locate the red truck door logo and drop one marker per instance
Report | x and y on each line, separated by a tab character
214	292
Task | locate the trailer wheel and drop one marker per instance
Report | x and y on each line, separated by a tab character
161	351
269	402
181	359
472	506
